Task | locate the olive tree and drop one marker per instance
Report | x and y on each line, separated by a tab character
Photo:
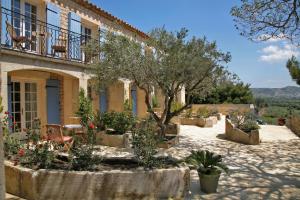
168	61
293	66
267	19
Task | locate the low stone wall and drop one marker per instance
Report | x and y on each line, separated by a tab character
214	119
237	135
115	184
294	124
201	122
223	108
122	141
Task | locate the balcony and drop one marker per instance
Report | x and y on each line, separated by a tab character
29	35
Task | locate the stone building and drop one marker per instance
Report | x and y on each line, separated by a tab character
43	63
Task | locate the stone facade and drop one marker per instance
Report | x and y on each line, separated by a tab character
72	74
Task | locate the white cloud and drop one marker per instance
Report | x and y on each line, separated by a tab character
276	53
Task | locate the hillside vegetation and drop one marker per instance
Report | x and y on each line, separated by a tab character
286	92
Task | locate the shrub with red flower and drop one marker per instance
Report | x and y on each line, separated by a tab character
21	152
91	126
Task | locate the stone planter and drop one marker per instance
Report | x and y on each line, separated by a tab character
237	135
122	141
173	129
169	143
201	122
114	184
189	121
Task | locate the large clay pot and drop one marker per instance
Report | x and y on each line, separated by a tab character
209	183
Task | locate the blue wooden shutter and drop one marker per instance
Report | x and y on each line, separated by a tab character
53	25
53	101
74	36
134	99
6	6
103	101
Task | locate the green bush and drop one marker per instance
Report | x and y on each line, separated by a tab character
188	113
176	106
144	141
246	121
120	122
85	111
98	121
203	112
249	125
206	162
82	158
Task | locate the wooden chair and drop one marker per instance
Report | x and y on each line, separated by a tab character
55	134
60	46
18	40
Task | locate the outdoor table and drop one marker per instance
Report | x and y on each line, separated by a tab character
75	128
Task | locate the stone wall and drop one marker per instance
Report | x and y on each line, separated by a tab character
223	108
294	124
201	122
237	135
115	184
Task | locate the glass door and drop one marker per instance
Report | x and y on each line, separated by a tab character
30	104
24	104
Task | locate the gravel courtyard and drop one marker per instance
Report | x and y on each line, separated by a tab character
270	170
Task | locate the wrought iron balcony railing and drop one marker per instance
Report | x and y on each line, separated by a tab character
28	34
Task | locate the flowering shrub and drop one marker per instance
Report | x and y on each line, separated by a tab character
38	156
11	144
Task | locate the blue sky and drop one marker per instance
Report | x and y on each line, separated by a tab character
260	64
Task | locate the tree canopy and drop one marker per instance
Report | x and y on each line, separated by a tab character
294	68
168	61
229	91
268	19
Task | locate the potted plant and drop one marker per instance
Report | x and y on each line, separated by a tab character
209	167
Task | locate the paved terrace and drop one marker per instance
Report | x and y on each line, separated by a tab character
270	170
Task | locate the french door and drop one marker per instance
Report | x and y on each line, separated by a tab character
23	104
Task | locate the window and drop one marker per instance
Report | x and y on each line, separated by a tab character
16	15
30	25
86	34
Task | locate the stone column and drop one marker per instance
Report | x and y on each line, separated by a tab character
3	92
181	96
126	89
83	83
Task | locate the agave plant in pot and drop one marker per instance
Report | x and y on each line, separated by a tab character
209	167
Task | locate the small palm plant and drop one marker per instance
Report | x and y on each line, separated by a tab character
209	167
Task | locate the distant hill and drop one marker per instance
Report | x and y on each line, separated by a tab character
286	92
